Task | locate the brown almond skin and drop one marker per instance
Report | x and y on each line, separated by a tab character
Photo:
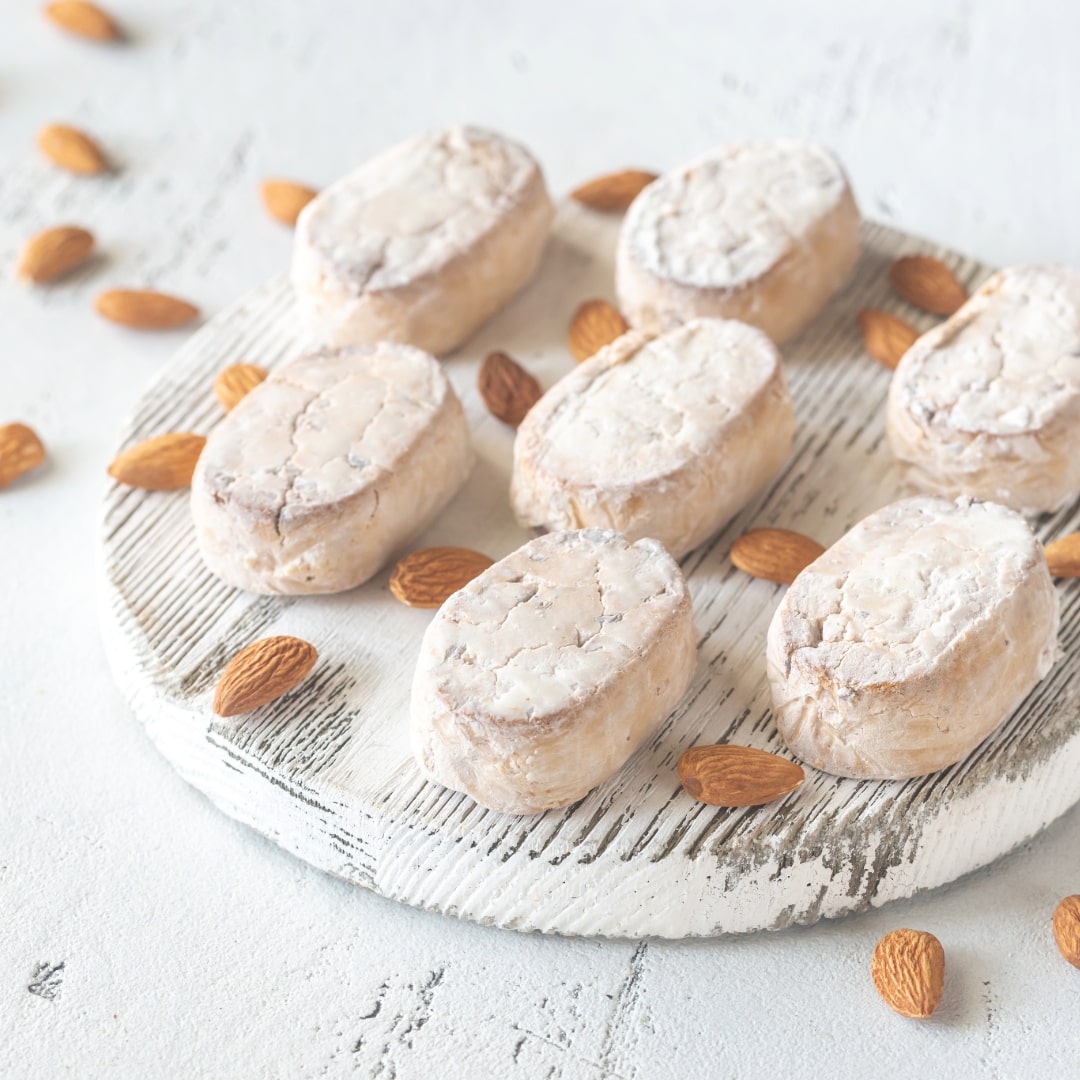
508	390
737	775
162	463
284	199
72	149
778	555
234	383
261	673
144	309
885	337
84	19
20	451
1063	556
595	324
427	577
1067	929
613	192
928	284
54	252
908	969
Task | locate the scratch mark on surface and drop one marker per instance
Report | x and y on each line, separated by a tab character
47	980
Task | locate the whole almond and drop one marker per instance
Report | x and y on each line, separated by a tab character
284	199
908	970
1067	929
736	775
1063	556
927	283
163	463
595	324
613	191
82	18
426	577
144	309
508	390
20	451
261	673
778	555
71	149
234	383
885	337
54	252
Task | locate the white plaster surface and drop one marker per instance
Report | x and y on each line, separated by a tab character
191	946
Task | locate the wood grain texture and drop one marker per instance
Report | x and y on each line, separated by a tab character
328	774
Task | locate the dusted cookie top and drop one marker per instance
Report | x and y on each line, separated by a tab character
324	428
411	210
988	403
726	219
551	625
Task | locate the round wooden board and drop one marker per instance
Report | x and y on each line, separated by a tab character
326	771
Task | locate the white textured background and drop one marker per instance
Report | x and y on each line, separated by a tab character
192	947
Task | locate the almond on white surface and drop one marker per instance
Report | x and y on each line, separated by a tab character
72	149
53	252
20	451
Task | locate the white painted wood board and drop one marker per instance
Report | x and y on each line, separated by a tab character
326	771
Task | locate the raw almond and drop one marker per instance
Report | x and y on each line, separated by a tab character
885	337
1067	929
20	451
908	970
261	673
613	191
927	283
144	309
54	252
595	324
1063	556
778	555
284	199
508	390
426	577
236	382
82	18
736	775
71	149
163	463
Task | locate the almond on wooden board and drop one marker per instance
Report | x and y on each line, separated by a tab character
928	284
908	969
736	775
613	192
508	390
20	451
284	199
53	252
778	555
83	18
71	149
235	382
1067	929
262	672
885	337
1063	556
144	309
595	324
162	463
426	577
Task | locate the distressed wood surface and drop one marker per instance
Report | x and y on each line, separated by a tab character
326	771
